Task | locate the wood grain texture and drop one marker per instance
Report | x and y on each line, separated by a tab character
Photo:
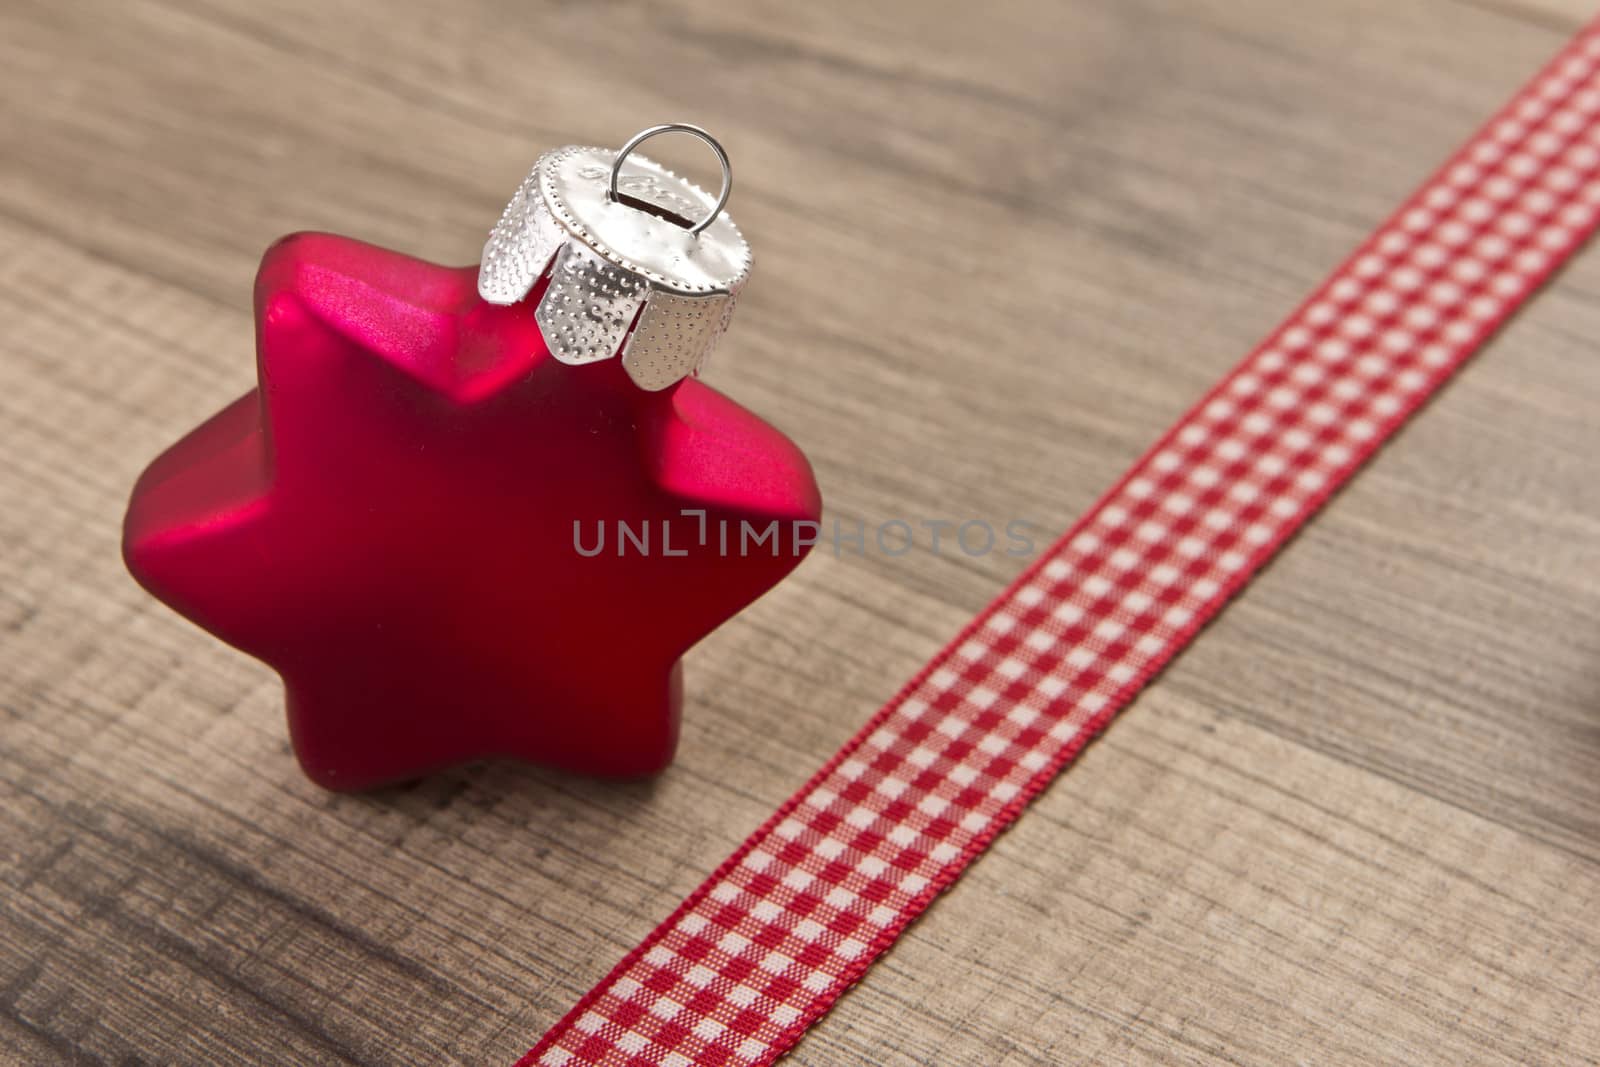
1000	248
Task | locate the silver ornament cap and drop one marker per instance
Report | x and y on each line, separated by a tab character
627	243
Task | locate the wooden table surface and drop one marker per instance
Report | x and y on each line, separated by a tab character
1000	247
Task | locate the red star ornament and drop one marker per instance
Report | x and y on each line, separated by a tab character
389	521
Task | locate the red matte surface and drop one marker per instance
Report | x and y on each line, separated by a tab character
388	521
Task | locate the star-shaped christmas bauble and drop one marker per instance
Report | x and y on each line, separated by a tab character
403	521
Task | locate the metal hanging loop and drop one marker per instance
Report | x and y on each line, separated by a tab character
680	127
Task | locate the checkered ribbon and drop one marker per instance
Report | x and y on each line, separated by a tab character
766	945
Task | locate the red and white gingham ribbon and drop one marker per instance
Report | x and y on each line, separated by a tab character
766	945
